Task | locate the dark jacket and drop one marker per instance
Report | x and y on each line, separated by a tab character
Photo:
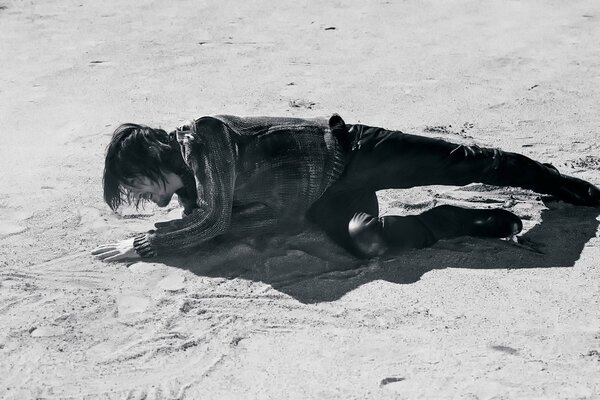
251	174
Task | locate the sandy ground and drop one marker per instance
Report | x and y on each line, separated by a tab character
468	318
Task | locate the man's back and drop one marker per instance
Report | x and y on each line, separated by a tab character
284	163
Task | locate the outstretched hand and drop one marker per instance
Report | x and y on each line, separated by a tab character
120	251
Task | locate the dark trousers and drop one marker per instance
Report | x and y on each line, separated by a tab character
381	159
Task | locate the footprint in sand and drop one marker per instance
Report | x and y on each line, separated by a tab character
144	267
172	282
47	331
10	228
128	304
91	219
11	225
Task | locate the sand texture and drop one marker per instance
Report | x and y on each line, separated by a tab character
465	319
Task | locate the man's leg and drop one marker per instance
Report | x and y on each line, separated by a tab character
383	159
349	217
336	207
373	236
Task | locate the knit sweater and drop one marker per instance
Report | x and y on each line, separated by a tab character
250	174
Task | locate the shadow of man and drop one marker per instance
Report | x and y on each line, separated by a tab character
311	268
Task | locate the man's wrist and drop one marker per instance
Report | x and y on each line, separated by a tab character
143	247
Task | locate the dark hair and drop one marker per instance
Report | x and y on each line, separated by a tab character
134	152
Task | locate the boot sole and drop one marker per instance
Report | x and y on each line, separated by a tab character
494	223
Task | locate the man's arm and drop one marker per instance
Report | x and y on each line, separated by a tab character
249	220
208	150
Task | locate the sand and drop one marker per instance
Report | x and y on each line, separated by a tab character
467	318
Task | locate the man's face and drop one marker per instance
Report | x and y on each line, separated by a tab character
156	192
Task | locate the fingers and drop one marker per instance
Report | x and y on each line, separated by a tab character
116	257
103	249
104	256
123	250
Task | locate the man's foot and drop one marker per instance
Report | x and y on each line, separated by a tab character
496	223
575	191
579	192
446	222
442	222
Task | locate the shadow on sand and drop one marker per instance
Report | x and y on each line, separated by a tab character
310	268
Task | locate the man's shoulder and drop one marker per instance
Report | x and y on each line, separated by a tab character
252	125
238	128
208	122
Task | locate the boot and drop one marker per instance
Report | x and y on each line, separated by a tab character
447	222
372	236
574	190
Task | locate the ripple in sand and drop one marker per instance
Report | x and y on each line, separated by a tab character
10	228
131	304
20	215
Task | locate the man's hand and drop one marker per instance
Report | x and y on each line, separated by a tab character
120	251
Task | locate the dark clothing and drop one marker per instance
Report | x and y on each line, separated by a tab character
255	175
382	159
250	175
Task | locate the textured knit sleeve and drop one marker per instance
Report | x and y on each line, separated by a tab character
208	150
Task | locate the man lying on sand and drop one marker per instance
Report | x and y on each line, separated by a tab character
241	177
